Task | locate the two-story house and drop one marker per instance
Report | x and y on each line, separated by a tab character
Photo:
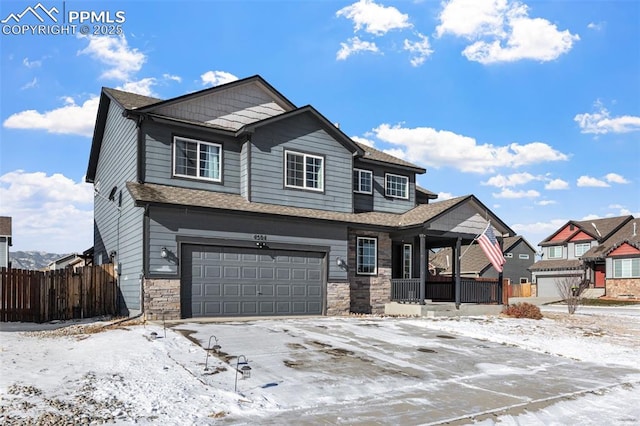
234	201
5	240
520	256
584	249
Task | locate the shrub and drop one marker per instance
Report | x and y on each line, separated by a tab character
523	310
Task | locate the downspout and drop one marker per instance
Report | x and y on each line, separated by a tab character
423	267
145	255
457	266
501	275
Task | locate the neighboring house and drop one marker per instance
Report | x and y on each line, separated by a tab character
73	260
233	201
5	240
579	249
520	255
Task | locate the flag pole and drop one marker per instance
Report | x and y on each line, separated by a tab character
474	240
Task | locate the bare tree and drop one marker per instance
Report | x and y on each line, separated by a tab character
571	288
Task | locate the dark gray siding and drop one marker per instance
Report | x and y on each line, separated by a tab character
515	268
302	134
159	158
117	229
379	201
168	225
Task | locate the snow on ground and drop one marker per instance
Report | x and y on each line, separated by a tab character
327	370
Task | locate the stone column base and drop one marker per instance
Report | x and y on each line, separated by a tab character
161	297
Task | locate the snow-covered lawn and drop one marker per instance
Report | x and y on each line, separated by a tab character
581	369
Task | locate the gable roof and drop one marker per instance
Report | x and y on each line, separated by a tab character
373	155
602	230
624	234
130	100
424	194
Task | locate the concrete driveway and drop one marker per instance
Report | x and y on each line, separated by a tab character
389	371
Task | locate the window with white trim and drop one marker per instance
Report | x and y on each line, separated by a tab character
396	186
407	251
304	171
367	256
362	181
581	248
554	252
197	159
523	256
626	268
508	255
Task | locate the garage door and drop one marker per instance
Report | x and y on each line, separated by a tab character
547	286
235	281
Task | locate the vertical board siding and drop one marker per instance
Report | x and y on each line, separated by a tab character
231	108
301	134
159	158
167	224
119	230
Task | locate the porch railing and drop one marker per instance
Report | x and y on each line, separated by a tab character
471	290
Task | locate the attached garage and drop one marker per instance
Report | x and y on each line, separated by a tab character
241	281
547	286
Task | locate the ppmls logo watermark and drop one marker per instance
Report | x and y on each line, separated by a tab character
42	20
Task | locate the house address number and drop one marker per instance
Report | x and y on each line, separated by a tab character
260	237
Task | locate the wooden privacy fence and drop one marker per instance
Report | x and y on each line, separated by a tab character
520	290
39	296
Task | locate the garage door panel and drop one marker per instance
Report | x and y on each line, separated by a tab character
234	281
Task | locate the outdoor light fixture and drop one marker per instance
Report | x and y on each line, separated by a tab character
261	244
341	263
215	348
243	368
164	253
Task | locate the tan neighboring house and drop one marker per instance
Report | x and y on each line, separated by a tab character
5	240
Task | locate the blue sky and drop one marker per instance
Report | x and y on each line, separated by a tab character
532	106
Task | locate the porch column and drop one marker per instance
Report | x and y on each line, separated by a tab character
457	267
500	275
423	268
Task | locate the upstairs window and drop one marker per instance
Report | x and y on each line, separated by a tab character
367	256
197	159
304	171
555	252
523	256
626	268
396	186
362	181
582	248
508	255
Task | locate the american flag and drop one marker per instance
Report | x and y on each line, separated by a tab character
491	248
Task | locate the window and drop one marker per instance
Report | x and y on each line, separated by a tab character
626	268
196	159
396	186
523	256
582	248
304	171
406	261
362	181
367	257
524	280
555	252
508	255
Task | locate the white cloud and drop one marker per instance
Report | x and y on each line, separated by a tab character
114	52
216	78
444	196
595	26
32	64
355	45
172	77
438	148
615	206
363	141
509	193
502	31
545	202
588	181
538	231
141	87
515	179
556	184
615	178
421	49
374	18
68	119
50	213
601	122
30	85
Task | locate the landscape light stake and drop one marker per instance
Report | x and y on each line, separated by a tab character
164	325
245	370
215	347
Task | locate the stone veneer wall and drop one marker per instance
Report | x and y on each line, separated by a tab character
338	302
623	287
369	293
162	296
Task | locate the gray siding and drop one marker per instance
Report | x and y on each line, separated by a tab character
515	268
159	159
119	230
379	201
231	108
302	134
168	224
464	219
244	170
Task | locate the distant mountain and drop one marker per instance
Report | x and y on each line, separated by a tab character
32	259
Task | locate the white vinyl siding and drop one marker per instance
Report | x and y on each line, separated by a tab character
197	159
367	256
362	181
304	171
626	268
396	186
